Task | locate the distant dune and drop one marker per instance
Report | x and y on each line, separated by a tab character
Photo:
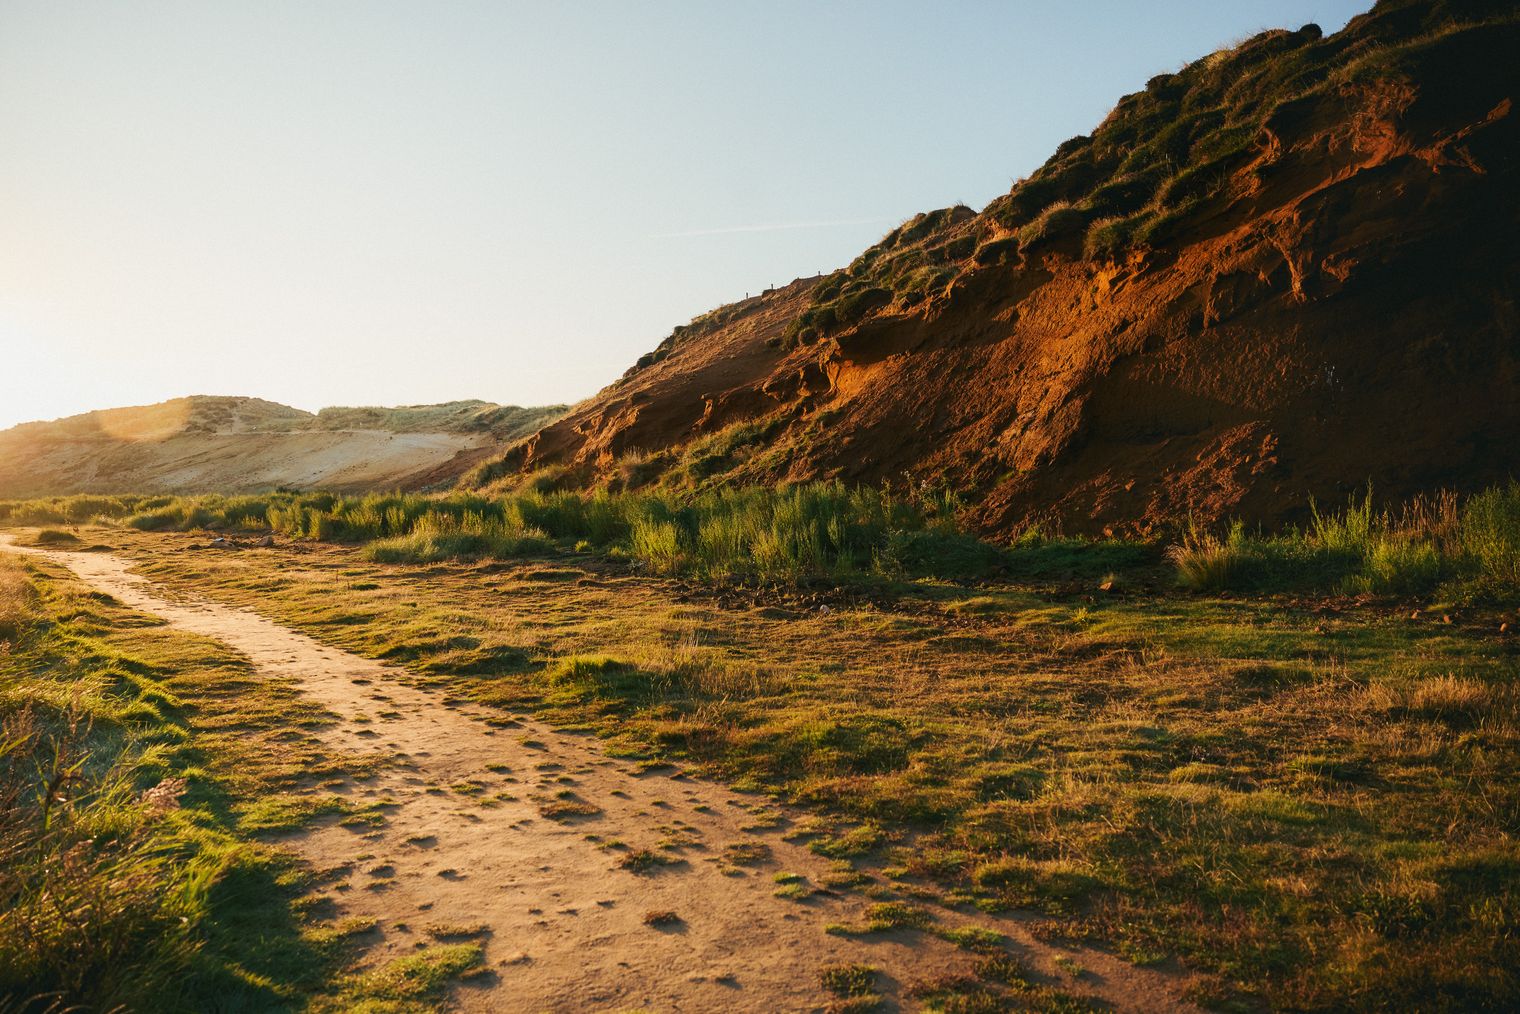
228	444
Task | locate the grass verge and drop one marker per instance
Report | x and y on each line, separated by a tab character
138	765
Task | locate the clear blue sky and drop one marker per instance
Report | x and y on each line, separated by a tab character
327	202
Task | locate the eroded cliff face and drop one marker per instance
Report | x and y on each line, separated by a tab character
1322	295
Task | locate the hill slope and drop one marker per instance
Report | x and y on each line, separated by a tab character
202	444
1285	270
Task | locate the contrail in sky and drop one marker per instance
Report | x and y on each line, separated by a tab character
776	227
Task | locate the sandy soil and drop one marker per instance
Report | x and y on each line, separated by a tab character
560	919
339	459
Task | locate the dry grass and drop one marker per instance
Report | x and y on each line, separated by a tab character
1450	699
1164	773
1205	562
15	597
747	853
568	809
645	861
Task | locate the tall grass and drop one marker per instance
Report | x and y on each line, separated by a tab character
1207	562
438	536
91	907
15	599
1361	550
829	530
64	510
1490	533
799	531
785	533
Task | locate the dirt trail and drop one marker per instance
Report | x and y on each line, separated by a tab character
561	920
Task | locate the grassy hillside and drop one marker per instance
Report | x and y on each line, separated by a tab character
506	422
1163	162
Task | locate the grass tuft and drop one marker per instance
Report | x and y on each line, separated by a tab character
849	980
1433	541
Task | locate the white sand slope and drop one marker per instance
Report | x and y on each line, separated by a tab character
205	444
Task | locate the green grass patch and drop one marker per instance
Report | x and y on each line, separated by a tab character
135	763
406	984
848	980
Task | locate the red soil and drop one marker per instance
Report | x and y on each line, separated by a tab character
1345	311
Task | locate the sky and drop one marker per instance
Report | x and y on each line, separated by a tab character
338	202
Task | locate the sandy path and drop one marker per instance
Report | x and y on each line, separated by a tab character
562	921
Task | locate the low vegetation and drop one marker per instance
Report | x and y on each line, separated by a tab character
827	531
137	767
812	531
1474	548
849	980
1289	769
